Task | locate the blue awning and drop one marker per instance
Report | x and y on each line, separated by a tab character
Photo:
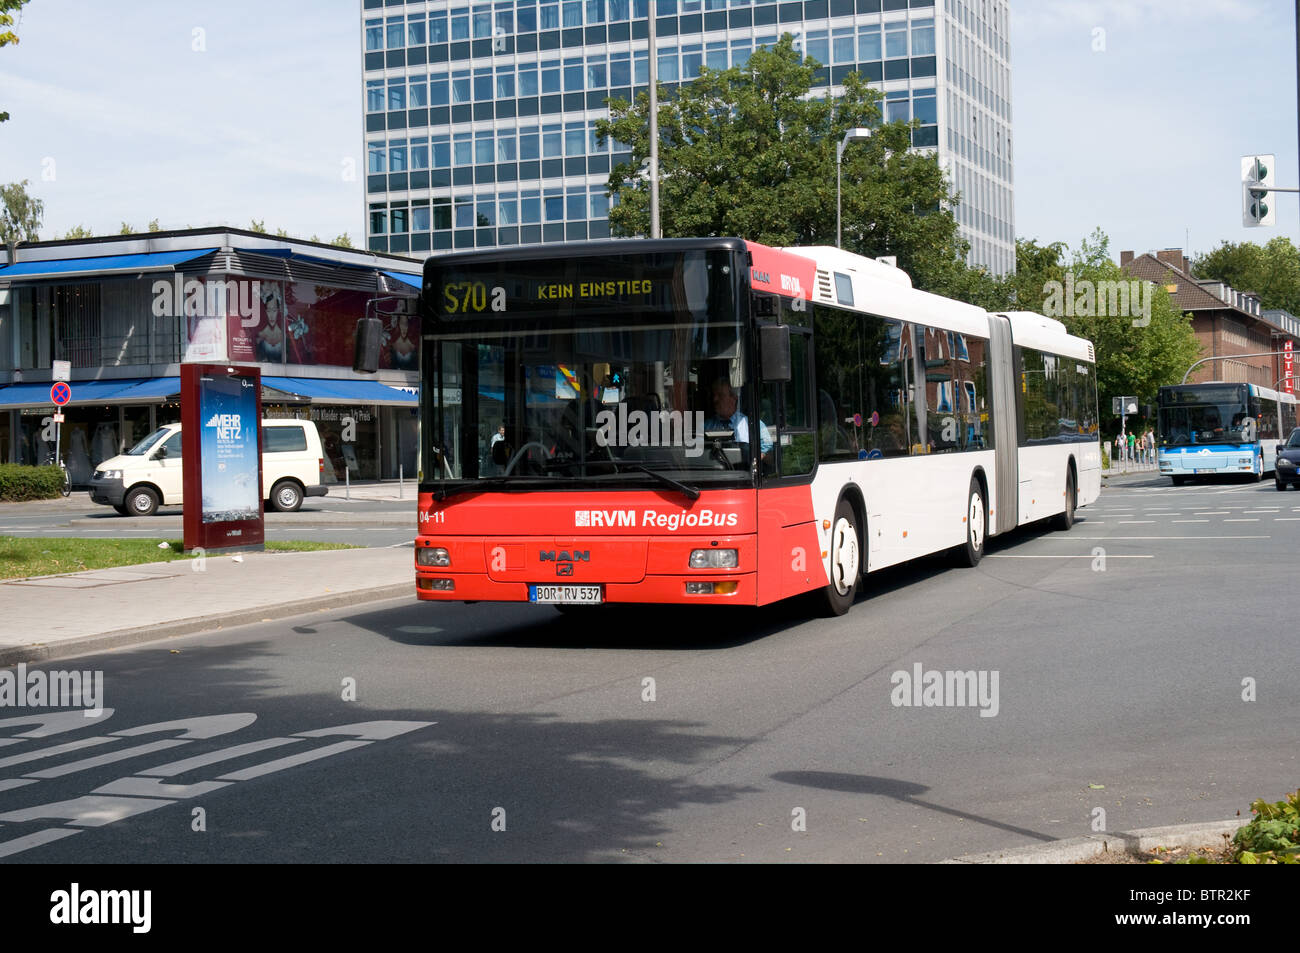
154	388
83	392
151	389
81	267
413	280
342	392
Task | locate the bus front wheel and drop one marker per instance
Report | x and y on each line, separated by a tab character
845	561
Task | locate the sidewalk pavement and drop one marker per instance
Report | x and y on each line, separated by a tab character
50	617
1078	849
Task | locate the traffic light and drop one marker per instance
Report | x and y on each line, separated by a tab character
1257	181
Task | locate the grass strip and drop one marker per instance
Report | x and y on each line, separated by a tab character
21	557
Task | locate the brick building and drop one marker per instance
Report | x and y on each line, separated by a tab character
1228	323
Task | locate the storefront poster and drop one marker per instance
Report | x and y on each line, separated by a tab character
228	409
220	417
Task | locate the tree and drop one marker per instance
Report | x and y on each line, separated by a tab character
21	220
1272	271
1131	360
281	233
154	226
748	152
79	231
126	229
342	241
255	226
7	36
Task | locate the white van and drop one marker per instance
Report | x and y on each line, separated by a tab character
149	475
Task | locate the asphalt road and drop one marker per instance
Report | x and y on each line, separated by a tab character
1121	649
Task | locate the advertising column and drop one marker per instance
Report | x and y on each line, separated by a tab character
221	433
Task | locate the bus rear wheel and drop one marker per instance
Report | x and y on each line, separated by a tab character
1064	521
845	561
972	551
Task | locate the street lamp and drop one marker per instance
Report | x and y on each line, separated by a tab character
853	135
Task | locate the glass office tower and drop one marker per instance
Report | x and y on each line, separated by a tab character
480	117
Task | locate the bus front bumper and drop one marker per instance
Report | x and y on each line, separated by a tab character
737	589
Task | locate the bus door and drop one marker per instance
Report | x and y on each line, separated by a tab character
1005	440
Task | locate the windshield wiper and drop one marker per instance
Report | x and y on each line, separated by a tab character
478	485
688	491
621	466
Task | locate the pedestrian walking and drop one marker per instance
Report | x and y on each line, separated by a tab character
1132	446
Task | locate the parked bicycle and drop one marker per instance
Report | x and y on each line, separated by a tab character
66	487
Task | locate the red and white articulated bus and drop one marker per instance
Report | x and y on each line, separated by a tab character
717	421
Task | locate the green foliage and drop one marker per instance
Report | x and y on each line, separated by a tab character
748	152
255	226
79	231
1272	271
19	483
7	36
126	229
1273	835
1131	361
20	220
342	241
154	226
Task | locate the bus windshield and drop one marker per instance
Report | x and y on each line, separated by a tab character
1204	415
608	370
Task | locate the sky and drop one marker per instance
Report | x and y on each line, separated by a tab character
1127	115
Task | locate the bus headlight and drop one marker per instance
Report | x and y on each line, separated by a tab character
714	558
433	556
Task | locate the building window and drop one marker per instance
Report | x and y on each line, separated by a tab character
374	35
375	95
869	43
922	37
505	82
419	154
895	40
506	146
377	161
396	31
396	95
419	94
397	155
415	31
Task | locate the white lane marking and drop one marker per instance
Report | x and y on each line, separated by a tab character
1189	521
1253	519
1210	513
1286	519
1133	522
1084	556
258	770
27	842
1100	538
225	754
1248	512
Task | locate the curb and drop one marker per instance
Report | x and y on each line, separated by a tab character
1075	849
39	652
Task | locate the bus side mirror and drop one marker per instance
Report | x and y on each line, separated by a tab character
370	337
774	352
